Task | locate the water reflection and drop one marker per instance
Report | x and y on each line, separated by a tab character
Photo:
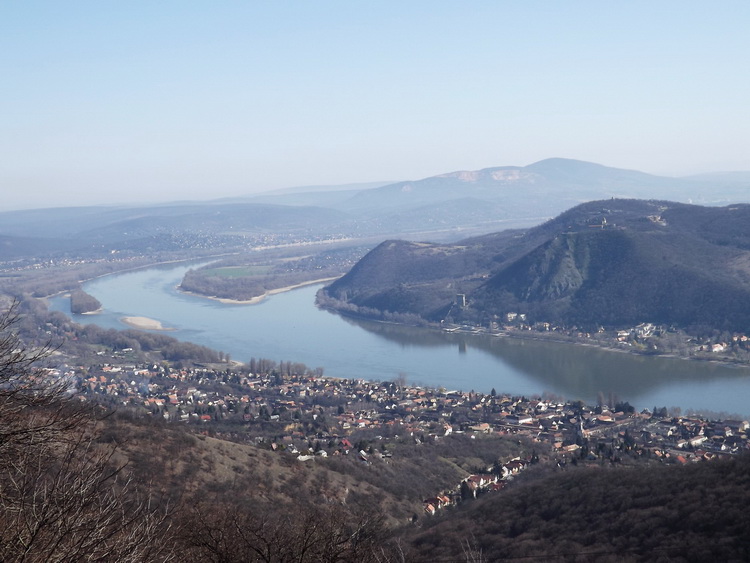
578	371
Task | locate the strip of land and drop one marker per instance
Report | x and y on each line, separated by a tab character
259	298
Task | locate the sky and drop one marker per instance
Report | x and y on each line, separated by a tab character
142	101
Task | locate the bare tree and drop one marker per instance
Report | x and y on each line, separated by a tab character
62	497
32	406
279	535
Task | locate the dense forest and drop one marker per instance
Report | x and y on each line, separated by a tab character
659	513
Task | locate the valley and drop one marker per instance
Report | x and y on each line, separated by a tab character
372	440
374	282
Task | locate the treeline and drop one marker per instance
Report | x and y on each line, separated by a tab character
140	341
37	326
283	368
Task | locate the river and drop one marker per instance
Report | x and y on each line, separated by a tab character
288	326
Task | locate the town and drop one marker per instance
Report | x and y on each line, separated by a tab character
299	412
644	338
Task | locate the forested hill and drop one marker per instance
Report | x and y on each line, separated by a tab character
658	513
613	262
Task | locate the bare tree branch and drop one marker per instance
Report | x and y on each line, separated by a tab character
62	499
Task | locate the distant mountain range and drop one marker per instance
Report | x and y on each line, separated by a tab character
444	207
609	262
549	187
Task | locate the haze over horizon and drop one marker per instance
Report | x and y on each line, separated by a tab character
153	102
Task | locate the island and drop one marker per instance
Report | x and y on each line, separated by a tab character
82	303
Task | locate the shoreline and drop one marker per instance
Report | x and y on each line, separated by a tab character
257	299
518	335
62	292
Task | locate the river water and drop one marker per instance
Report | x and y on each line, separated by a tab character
288	326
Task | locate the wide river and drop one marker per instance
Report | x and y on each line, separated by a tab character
288	326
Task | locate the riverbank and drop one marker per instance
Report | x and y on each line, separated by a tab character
200	261
610	346
553	337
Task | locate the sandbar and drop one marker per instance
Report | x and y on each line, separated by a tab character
144	323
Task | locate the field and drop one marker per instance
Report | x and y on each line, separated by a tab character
250	270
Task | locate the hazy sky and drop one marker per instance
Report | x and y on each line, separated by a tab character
146	101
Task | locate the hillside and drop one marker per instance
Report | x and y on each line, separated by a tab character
222	500
665	513
225	462
612	263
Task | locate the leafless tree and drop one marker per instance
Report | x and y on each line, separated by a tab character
62	496
307	534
